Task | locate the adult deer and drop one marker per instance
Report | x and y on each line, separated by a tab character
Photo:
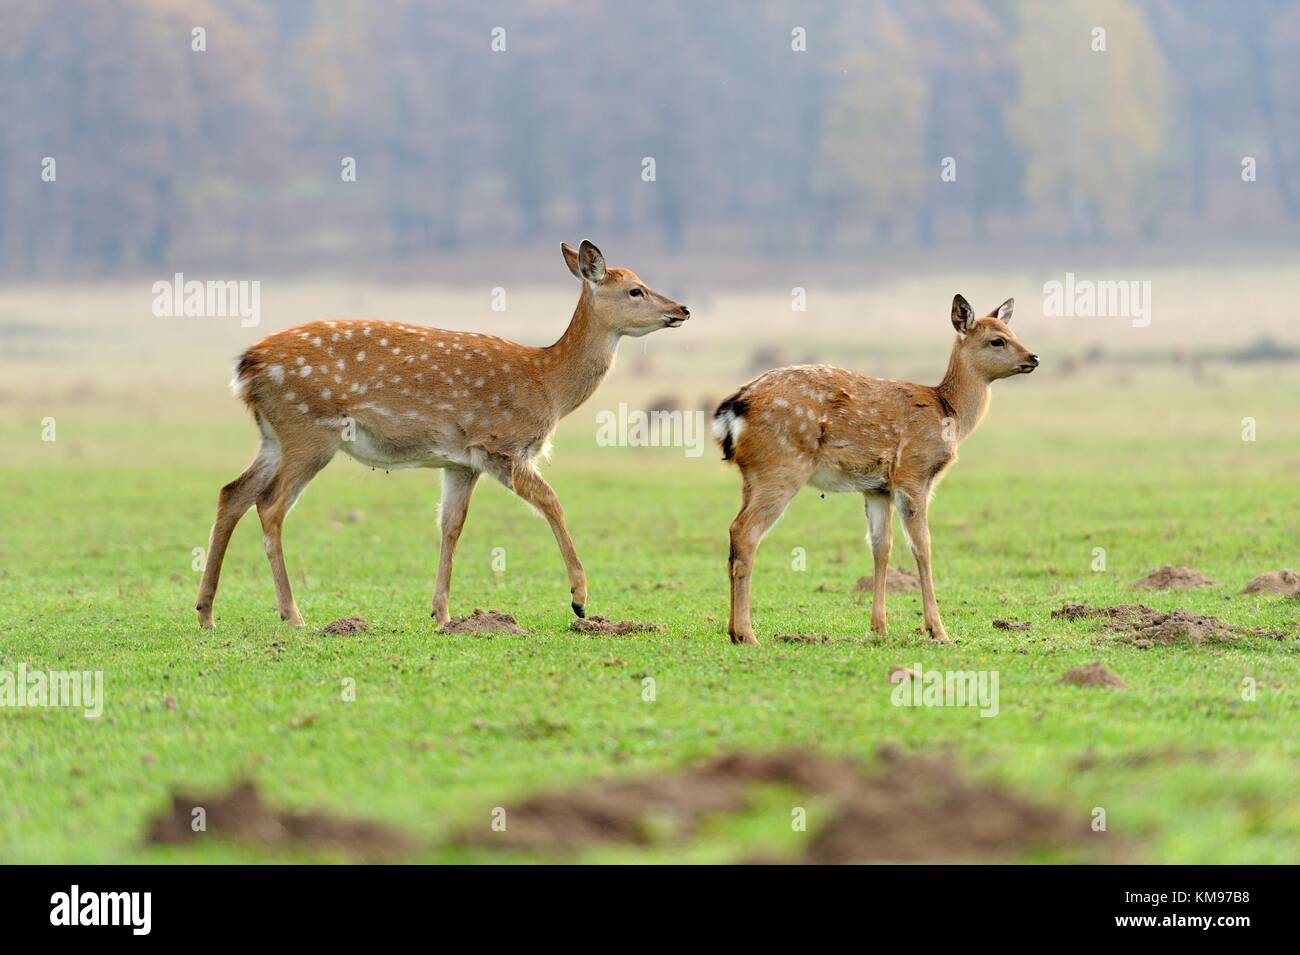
841	431
394	395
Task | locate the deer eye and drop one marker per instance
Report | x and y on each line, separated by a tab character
635	293
998	342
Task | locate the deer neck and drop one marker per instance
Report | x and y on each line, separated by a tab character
965	391
577	363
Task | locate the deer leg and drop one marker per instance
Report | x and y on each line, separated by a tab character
457	487
232	503
532	487
301	461
914	508
763	500
880	524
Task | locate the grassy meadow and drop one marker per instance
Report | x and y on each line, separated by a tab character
1127	439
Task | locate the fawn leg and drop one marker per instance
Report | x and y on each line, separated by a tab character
457	487
914	508
302	459
232	503
528	483
880	523
764	498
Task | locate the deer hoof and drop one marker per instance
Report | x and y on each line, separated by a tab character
579	609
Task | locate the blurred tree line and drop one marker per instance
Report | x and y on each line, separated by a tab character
777	128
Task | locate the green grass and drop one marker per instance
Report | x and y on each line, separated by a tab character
95	574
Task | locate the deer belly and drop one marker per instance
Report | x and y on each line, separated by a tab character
378	450
847	482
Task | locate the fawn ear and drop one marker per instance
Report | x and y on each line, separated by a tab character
1003	312
570	258
591	264
963	316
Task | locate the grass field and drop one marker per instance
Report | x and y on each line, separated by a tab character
99	526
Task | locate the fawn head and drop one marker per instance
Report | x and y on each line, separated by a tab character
618	298
988	345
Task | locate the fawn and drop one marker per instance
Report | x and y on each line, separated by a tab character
394	395
841	431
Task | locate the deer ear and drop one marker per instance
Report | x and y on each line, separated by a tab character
591	264
963	316
1003	312
570	258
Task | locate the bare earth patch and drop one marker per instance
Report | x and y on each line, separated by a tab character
896	582
1092	674
483	622
1018	625
346	625
907	810
1170	577
617	628
1144	627
240	814
1285	583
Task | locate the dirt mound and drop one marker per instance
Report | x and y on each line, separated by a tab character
618	628
346	625
1144	627
1018	625
1169	577
1073	611
896	582
1285	583
923	810
484	621
908	810
1092	674
242	815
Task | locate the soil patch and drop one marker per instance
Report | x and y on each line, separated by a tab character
1169	577
1285	583
1018	625
907	810
1092	674
346	625
1142	626
896	582
242	815
618	628
484	621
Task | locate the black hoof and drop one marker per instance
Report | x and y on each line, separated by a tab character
579	609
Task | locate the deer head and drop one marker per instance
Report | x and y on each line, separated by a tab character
616	299
987	346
